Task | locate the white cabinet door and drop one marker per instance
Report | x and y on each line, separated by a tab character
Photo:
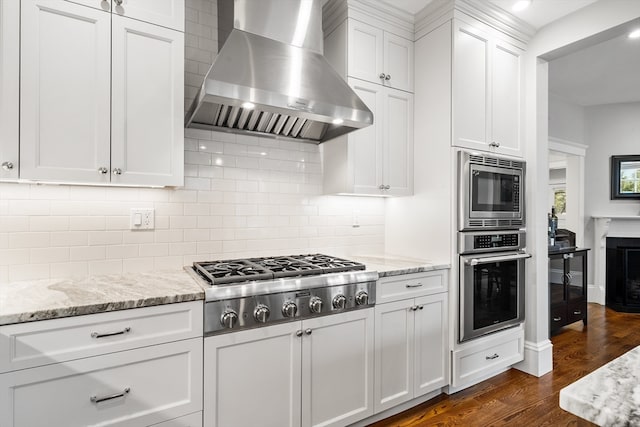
337	374
253	377
9	87
65	92
147	104
365	51
167	13
431	349
506	99
131	388
398	143
398	62
470	87
394	354
96	4
365	145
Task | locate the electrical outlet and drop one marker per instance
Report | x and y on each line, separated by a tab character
142	219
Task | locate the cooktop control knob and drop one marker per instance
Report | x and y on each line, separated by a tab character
261	313
339	302
362	298
315	305
289	309
229	318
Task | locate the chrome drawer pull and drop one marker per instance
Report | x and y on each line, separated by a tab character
419	285
557	319
577	312
494	356
96	399
110	334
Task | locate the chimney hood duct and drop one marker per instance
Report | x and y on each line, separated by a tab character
270	77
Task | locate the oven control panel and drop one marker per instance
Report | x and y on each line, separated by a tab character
491	241
488	241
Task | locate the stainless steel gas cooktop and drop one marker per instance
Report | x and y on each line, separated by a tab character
253	292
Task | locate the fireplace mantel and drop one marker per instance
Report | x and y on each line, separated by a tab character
608	226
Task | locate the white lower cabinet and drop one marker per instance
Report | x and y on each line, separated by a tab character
484	357
316	372
411	348
136	367
131	388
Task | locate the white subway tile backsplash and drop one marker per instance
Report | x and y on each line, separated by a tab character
243	196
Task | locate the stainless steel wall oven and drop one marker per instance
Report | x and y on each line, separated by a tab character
492	192
492	266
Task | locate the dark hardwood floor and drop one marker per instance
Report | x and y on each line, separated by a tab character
514	398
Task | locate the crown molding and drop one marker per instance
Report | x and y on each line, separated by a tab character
374	12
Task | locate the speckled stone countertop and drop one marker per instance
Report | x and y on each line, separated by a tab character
610	395
389	265
49	299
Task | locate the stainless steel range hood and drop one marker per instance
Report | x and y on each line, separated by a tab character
270	77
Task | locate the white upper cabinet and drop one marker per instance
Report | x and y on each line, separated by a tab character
375	160
9	87
147	104
65	92
379	56
486	91
101	96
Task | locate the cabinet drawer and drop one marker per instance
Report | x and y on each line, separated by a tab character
558	317
486	356
136	387
405	286
576	310
27	345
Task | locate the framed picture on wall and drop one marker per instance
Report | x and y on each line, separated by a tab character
625	177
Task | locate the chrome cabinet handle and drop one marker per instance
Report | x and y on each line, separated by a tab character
119	2
567	256
298	333
117	171
414	308
308	331
381	187
493	356
387	187
103	170
7	166
417	285
96	399
557	319
387	77
494	144
382	76
421	307
577	312
110	334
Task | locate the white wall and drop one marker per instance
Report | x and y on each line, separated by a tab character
566	120
611	130
242	196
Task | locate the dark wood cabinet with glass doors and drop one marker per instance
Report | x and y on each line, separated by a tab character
567	288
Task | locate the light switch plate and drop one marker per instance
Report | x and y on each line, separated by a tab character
142	219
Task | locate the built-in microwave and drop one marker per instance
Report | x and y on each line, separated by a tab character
491	192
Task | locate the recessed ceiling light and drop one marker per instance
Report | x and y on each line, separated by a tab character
520	5
248	105
635	34
337	121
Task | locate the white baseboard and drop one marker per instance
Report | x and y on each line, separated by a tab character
538	358
595	293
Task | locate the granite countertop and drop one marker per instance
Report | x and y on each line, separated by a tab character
52	298
390	265
610	395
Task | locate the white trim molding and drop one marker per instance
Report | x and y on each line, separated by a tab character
568	147
538	358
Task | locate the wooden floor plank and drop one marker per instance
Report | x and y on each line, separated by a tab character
514	398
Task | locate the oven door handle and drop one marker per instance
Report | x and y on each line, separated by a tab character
489	259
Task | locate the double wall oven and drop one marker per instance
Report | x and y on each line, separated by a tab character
491	244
